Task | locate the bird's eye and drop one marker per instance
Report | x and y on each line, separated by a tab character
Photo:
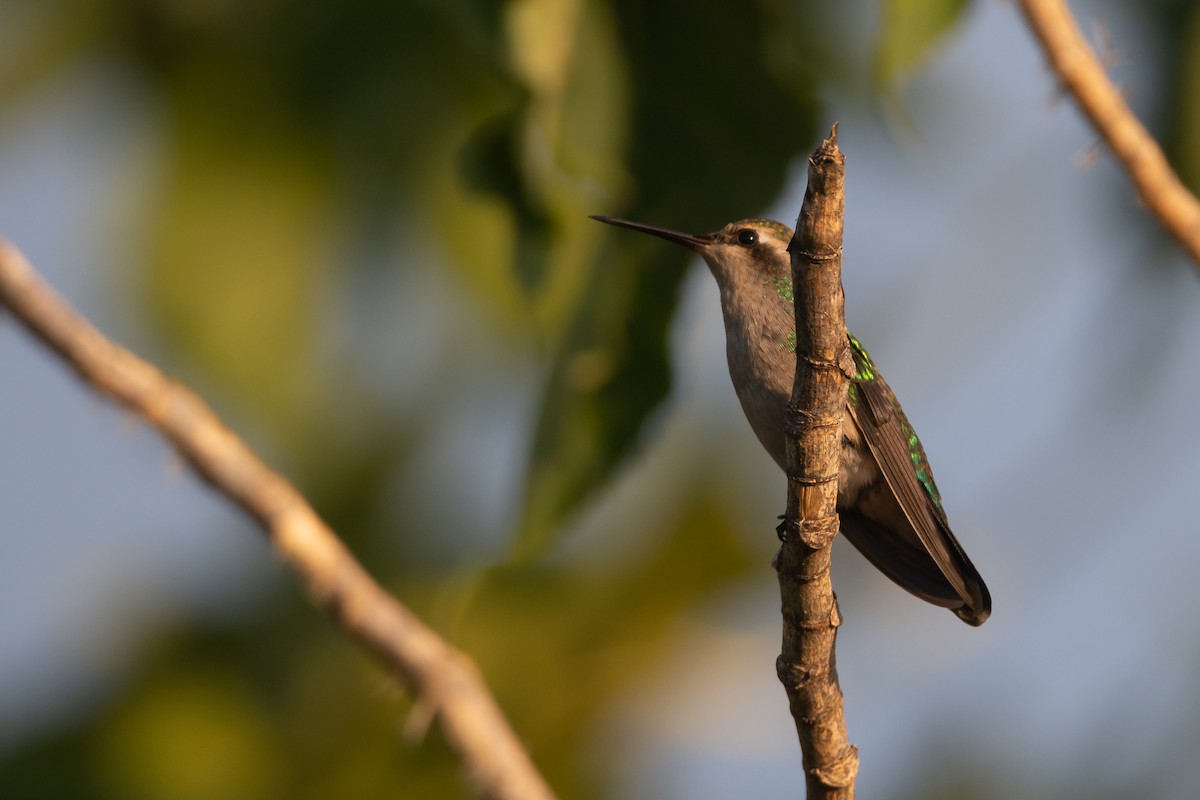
747	237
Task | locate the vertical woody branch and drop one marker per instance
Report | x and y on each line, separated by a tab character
807	666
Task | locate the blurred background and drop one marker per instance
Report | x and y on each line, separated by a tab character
360	230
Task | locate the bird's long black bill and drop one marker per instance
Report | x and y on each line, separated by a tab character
688	240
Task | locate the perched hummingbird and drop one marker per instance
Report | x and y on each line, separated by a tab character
889	505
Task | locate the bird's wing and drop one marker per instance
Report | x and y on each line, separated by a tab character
901	459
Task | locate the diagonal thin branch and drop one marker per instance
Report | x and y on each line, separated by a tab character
443	678
1083	75
807	664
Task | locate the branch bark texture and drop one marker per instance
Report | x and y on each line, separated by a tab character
807	664
444	680
1076	65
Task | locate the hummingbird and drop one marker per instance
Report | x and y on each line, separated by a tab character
888	503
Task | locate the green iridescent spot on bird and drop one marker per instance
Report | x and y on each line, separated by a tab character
888	503
916	453
783	287
862	360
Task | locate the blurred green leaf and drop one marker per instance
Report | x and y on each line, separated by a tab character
239	256
514	212
711	140
908	33
197	735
